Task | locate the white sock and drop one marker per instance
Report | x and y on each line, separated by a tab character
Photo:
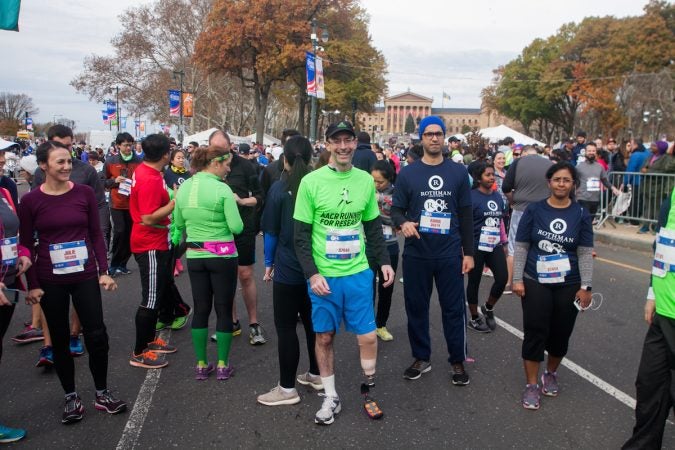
286	390
329	386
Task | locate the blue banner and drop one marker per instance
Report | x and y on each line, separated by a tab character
29	123
311	74
174	102
112	110
9	15
124	122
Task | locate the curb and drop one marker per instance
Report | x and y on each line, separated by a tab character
607	237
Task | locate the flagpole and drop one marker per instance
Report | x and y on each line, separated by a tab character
443	99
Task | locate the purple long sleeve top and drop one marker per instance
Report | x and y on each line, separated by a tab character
57	219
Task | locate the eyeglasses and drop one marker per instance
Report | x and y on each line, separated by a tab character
561	180
222	158
347	140
516	154
433	134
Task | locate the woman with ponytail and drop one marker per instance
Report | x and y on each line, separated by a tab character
289	291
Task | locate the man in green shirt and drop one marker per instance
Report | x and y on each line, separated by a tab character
336	214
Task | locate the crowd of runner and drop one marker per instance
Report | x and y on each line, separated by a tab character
330	218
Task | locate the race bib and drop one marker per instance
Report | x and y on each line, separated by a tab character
435	222
489	238
69	257
125	187
343	244
553	268
387	231
10	252
593	185
664	254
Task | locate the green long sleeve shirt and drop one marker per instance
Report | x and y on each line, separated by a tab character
207	210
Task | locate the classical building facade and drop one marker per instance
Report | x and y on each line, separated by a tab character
390	119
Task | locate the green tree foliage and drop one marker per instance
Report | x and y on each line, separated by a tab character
409	124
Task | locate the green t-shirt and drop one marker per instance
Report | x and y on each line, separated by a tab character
335	203
206	209
664	286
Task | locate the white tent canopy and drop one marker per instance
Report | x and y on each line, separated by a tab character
267	139
498	133
202	137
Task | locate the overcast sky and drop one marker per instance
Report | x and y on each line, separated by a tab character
431	46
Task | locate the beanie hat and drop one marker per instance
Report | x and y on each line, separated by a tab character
431	120
662	146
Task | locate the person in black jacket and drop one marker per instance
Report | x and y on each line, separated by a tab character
364	158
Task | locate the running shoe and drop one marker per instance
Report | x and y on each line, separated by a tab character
329	409
277	396
459	375
159	345
489	316
123	271
255	335
108	403
507	290
8	434
76	348
549	384
236	331
202	373
531	396
112	272
159	326
73	411
384	334
148	360
479	325
224	373
29	334
46	358
308	379
180	322
487	272
417	369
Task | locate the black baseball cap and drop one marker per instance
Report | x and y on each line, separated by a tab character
340	127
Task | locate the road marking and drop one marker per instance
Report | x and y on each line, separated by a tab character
583	373
132	430
625	266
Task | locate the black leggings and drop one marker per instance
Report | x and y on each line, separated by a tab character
6	313
496	261
86	297
214	284
548	319
384	294
289	301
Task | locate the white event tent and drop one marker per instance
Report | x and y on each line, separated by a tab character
202	137
267	139
498	133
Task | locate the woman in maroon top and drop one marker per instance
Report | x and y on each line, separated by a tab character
68	262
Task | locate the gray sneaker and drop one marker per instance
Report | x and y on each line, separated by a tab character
549	384
277	397
308	379
255	335
479	325
489	315
531	396
417	369
329	408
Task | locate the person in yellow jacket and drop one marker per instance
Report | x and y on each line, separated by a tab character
655	385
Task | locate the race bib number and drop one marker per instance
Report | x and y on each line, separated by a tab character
664	254
593	185
343	244
553	268
125	187
388	232
435	222
10	252
489	238
69	257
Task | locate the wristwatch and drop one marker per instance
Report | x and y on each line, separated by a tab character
585	288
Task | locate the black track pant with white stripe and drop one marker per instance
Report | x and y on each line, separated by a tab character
155	269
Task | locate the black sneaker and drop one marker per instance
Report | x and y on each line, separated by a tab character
106	402
459	375
123	271
489	315
73	411
417	369
479	325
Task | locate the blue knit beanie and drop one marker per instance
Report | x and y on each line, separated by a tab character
431	120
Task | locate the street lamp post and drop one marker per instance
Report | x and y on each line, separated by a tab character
315	46
180	74
117	107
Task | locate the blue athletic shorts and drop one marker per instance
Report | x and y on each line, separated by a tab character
351	299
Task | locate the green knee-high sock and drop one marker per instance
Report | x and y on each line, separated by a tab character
224	343
199	338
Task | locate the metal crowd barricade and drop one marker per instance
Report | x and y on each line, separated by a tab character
648	190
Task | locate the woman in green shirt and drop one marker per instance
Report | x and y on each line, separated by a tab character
207	210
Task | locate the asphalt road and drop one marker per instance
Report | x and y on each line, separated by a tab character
183	413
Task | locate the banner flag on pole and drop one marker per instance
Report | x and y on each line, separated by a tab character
9	15
29	123
174	102
141	127
320	92
137	123
446	96
106	120
311	74
112	112
124	122
188	104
